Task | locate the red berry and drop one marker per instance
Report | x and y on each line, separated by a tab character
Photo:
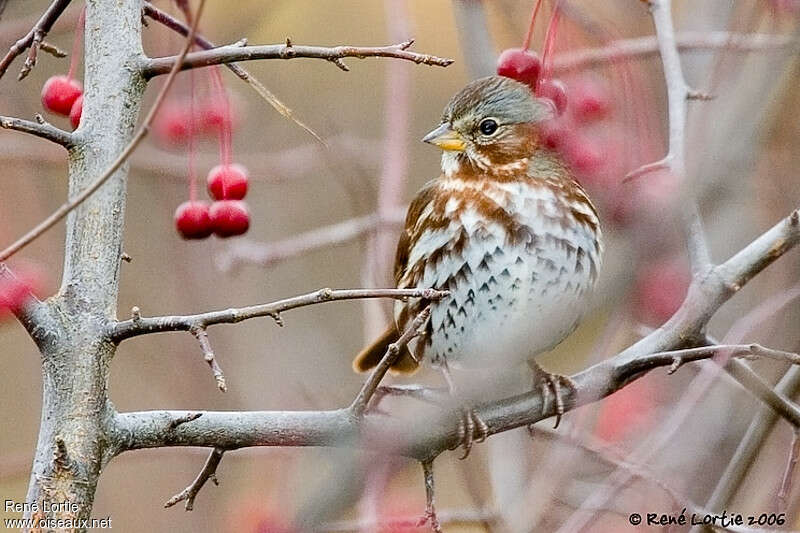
76	112
555	91
590	101
173	124
214	115
192	220
229	218
660	289
227	182
584	155
16	289
59	93
521	65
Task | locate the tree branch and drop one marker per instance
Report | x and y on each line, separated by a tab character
690	41
232	54
208	472
42	129
33	39
432	435
142	326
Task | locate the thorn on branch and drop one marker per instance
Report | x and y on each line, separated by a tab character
184	419
136	314
277	318
200	334
341	64
40	119
209	471
676	364
125	257
405	45
288	42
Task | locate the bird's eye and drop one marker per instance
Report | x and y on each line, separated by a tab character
488	126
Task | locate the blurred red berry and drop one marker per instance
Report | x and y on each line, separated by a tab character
59	93
173	124
785	6
555	134
227	182
192	220
229	218
76	112
16	289
521	65
584	155
589	101
660	289
214	115
555	91
627	412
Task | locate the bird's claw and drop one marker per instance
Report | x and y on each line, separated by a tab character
553	384
471	429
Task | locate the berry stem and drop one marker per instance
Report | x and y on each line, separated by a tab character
526	43
76	43
549	43
225	127
191	166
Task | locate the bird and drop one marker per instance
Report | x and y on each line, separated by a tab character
509	234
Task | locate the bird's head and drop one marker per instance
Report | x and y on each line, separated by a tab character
489	125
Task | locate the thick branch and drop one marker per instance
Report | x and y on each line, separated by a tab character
431	435
42	129
142	326
233	53
33	39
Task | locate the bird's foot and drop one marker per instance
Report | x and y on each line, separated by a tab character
471	429
552	384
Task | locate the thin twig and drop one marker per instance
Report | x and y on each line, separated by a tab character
33	39
430	515
79	198
145	325
176	25
394	350
446	518
209	471
232	54
200	334
44	130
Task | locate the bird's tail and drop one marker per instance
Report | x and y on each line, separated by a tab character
370	356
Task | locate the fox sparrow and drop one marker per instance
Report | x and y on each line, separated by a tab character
507	231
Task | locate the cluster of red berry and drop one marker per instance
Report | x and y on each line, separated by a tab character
576	109
63	95
226	216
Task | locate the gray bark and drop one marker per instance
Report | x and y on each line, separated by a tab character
72	447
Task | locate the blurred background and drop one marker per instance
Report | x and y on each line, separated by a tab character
743	149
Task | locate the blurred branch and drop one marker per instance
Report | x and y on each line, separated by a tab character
431	436
446	518
643	47
139	325
174	24
40	128
270	253
474	36
33	39
233	53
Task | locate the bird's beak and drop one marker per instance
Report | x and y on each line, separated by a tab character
446	139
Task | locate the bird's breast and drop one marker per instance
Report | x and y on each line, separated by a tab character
519	258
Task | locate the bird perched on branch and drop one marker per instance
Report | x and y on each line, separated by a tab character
507	231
